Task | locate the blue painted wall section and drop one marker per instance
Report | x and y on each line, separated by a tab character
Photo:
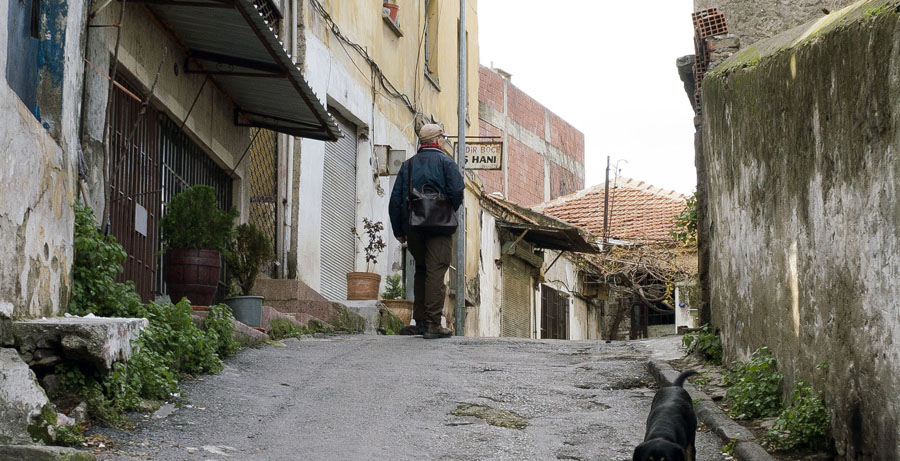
22	54
51	62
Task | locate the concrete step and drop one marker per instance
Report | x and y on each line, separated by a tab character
335	314
98	340
280	290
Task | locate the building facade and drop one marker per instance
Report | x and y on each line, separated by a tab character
543	155
382	79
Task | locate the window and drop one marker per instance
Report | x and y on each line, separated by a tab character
22	50
432	15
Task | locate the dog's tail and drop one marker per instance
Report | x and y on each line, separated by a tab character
679	381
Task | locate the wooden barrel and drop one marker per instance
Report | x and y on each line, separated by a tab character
193	274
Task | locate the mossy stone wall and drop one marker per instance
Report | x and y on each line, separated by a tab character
801	142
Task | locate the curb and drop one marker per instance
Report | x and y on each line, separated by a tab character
43	453
745	448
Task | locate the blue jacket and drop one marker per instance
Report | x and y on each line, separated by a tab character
431	166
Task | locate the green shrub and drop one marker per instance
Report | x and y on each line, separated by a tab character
220	330
704	342
803	423
172	344
394	288
685	230
98	259
248	251
754	388
172	333
193	220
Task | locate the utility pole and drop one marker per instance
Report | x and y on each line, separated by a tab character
606	206
460	314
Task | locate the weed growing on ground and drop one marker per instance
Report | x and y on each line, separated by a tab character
281	328
803	423
171	346
754	387
704	342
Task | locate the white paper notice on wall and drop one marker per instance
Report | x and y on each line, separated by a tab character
140	219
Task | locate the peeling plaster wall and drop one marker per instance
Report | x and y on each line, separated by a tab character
802	134
37	173
484	318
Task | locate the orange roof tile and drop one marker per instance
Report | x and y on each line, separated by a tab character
637	211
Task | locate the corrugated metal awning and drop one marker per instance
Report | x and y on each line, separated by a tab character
551	238
231	42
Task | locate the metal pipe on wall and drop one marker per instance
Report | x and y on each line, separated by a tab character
460	314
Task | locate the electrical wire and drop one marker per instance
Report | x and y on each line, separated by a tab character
385	83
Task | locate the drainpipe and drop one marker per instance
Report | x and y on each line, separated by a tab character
289	163
460	314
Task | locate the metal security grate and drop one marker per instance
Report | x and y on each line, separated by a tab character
270	11
554	314
263	186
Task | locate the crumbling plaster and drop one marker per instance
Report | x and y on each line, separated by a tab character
38	178
801	143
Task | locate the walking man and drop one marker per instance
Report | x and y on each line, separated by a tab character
430	250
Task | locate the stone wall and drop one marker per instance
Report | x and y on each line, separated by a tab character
754	20
801	138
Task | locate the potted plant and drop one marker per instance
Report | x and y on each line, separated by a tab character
194	232
248	251
394	298
364	285
391	10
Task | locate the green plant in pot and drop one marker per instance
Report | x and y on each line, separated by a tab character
194	234
364	285
249	250
394	298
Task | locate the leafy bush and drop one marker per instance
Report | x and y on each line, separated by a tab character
172	344
704	342
754	388
193	220
803	423
686	222
98	259
248	250
394	288
220	330
172	334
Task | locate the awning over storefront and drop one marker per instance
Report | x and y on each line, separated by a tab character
230	41
552	238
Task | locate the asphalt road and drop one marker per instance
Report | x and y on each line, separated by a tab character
393	397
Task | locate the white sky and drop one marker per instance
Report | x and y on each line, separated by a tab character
607	68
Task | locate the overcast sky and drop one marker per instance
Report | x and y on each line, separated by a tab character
607	68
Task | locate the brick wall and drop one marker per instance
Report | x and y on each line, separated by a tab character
490	89
527	144
526	111
563	181
526	174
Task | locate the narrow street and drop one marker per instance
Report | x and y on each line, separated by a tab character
393	397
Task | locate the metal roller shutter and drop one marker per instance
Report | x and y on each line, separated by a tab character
515	310
338	244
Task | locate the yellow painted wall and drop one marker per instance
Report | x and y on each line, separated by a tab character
401	59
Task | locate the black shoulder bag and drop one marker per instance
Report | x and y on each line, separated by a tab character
429	210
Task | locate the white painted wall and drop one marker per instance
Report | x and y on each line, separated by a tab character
336	86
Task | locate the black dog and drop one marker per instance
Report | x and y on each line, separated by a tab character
671	425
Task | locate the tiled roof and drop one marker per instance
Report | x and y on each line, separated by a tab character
637	211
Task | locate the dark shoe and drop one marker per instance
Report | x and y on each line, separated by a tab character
410	330
436	331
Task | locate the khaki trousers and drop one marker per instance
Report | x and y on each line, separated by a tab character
432	254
